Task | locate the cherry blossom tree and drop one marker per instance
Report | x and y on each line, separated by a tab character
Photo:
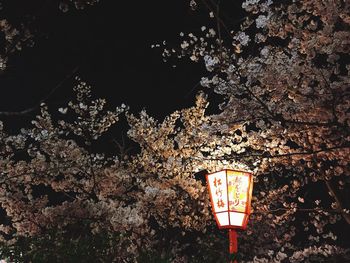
56	188
284	116
284	80
51	181
60	197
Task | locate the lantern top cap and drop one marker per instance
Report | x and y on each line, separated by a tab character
231	170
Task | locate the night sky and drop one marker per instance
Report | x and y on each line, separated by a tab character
109	46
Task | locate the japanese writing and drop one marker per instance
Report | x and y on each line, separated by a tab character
217	182
237	193
218	192
220	203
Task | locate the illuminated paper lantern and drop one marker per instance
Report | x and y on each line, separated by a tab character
230	194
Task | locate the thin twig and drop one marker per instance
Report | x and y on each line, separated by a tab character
36	106
218	18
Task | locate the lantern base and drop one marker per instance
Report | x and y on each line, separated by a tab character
233	244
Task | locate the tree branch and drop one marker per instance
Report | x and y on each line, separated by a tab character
219	20
318	210
333	192
36	106
264	155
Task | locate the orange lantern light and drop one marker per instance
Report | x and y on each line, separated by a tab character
230	194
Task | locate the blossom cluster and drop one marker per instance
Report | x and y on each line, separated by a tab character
65	5
14	39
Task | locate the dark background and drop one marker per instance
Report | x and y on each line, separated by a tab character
107	45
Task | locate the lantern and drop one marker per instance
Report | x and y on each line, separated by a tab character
230	194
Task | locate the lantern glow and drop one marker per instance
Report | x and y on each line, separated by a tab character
230	194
